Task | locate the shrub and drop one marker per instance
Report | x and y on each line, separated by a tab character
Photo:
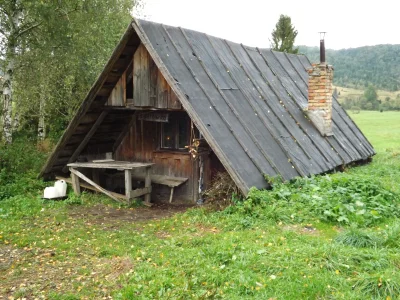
20	163
340	198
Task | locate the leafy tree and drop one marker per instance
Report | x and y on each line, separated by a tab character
284	35
53	51
371	98
370	94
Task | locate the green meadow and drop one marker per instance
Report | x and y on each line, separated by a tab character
335	236
381	129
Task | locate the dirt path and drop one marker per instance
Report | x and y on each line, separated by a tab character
102	214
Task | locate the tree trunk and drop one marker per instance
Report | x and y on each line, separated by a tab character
17	119
11	50
41	124
7	101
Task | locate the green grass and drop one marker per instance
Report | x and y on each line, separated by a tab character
257	249
381	129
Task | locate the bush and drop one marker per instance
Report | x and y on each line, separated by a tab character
340	198
20	163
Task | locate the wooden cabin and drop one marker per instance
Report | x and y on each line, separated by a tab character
191	105
161	131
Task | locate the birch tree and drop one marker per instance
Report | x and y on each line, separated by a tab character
65	44
11	30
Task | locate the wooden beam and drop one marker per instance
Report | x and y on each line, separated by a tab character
131	107
147	184
99	188
128	185
140	192
75	184
88	136
89	187
171	195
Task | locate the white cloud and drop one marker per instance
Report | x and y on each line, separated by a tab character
349	23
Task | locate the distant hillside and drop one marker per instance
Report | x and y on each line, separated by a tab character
357	67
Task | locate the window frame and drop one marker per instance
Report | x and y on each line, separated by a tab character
174	120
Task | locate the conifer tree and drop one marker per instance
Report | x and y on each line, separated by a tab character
284	35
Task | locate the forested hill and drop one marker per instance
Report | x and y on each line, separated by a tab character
357	67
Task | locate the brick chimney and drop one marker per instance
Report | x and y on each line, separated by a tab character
319	109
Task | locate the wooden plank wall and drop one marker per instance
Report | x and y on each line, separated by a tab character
142	144
150	89
118	94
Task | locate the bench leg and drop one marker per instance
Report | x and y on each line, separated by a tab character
171	195
128	185
147	183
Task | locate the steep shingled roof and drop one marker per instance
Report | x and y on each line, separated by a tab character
247	102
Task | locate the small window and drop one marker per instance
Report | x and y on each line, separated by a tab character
175	133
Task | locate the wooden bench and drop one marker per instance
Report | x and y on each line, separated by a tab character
169	181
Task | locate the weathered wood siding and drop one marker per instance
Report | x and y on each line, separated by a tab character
142	143
118	94
150	89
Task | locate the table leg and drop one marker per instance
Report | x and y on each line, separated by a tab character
96	176
128	185
147	183
75	183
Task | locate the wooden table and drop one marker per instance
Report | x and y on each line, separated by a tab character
125	166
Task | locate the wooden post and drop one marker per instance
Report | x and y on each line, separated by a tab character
75	182
171	195
147	184
95	174
128	185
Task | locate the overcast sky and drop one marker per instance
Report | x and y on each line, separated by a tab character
348	23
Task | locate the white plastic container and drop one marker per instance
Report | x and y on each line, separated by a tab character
50	193
61	187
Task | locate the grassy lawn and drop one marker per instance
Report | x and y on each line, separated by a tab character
381	129
272	246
